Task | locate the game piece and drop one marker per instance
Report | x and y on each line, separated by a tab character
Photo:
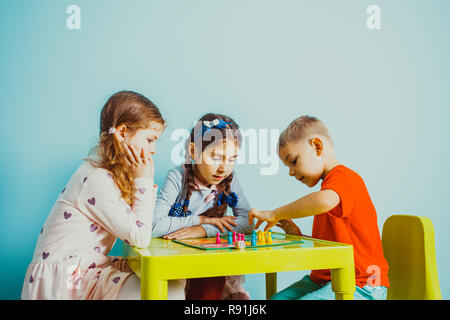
240	243
234	237
269	237
210	243
218	238
253	241
230	238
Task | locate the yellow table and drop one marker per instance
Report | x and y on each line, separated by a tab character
166	260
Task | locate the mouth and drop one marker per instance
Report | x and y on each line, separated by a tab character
301	179
217	178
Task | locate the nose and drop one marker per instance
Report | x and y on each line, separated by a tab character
291	172
221	168
152	148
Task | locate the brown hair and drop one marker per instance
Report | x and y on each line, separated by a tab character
135	111
231	130
301	128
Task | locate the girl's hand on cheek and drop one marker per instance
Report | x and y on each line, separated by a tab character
142	167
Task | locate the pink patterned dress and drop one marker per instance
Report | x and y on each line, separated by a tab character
71	257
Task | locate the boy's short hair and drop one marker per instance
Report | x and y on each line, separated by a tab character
301	128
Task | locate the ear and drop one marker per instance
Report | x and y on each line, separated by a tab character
121	132
317	144
192	150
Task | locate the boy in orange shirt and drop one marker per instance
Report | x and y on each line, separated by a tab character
342	210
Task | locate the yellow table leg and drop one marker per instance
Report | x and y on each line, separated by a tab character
271	284
343	283
152	287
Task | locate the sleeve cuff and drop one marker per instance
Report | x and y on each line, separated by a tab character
210	230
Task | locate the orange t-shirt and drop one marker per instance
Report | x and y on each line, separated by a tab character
352	221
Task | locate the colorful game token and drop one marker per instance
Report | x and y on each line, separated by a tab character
218	238
240	243
210	243
269	237
253	241
234	237
230	237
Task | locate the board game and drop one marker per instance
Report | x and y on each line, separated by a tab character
278	239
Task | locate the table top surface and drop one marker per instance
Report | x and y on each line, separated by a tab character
161	247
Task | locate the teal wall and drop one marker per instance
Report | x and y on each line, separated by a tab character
382	93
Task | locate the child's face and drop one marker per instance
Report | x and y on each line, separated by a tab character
304	159
216	162
145	139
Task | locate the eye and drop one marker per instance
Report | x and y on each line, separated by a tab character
293	162
150	140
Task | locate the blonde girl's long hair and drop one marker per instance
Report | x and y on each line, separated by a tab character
136	112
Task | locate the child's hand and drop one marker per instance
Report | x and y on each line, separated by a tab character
261	216
289	227
142	167
187	233
225	221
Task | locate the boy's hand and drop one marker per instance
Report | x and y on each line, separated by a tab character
261	216
289	227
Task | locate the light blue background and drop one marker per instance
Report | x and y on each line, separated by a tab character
384	95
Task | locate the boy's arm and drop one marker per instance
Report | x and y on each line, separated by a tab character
309	205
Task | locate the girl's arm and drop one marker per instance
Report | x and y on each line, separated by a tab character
240	212
242	208
163	223
101	200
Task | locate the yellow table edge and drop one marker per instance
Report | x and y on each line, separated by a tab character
333	255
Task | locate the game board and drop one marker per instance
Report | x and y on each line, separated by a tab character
278	239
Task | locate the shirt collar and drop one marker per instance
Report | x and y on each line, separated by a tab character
203	186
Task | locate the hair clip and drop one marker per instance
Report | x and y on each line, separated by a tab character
216	123
208	125
211	124
112	130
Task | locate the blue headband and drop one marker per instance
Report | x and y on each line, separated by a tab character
216	123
